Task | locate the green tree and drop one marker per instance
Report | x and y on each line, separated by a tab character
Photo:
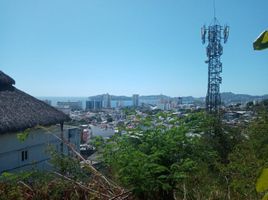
157	163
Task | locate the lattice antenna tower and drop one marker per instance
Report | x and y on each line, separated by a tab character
214	34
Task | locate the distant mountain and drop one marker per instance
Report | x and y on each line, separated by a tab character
154	97
121	98
126	98
227	98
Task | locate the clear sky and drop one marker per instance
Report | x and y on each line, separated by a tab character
88	47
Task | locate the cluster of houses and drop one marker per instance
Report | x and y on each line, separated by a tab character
108	122
238	117
30	127
41	125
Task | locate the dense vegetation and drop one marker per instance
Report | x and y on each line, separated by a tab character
198	158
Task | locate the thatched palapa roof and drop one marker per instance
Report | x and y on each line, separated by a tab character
19	111
6	80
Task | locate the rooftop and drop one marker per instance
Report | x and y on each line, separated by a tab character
19	111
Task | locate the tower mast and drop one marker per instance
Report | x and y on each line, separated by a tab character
214	34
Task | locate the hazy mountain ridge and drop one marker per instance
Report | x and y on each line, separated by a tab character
227	98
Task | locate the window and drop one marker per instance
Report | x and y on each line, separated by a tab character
24	155
70	135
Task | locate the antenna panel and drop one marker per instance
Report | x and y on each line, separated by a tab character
203	34
226	33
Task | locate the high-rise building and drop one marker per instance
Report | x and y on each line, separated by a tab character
89	105
179	100
73	105
106	101
135	99
94	105
98	105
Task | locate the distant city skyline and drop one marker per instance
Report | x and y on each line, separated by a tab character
122	47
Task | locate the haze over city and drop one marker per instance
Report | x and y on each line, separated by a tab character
123	47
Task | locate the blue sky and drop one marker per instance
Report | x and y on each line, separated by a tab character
88	47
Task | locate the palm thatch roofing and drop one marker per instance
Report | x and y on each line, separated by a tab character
19	111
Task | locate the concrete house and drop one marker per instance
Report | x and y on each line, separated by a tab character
40	122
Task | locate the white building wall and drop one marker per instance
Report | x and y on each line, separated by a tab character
36	145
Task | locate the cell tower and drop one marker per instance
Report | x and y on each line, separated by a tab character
214	34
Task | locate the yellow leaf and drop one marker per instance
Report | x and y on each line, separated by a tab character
262	182
265	197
